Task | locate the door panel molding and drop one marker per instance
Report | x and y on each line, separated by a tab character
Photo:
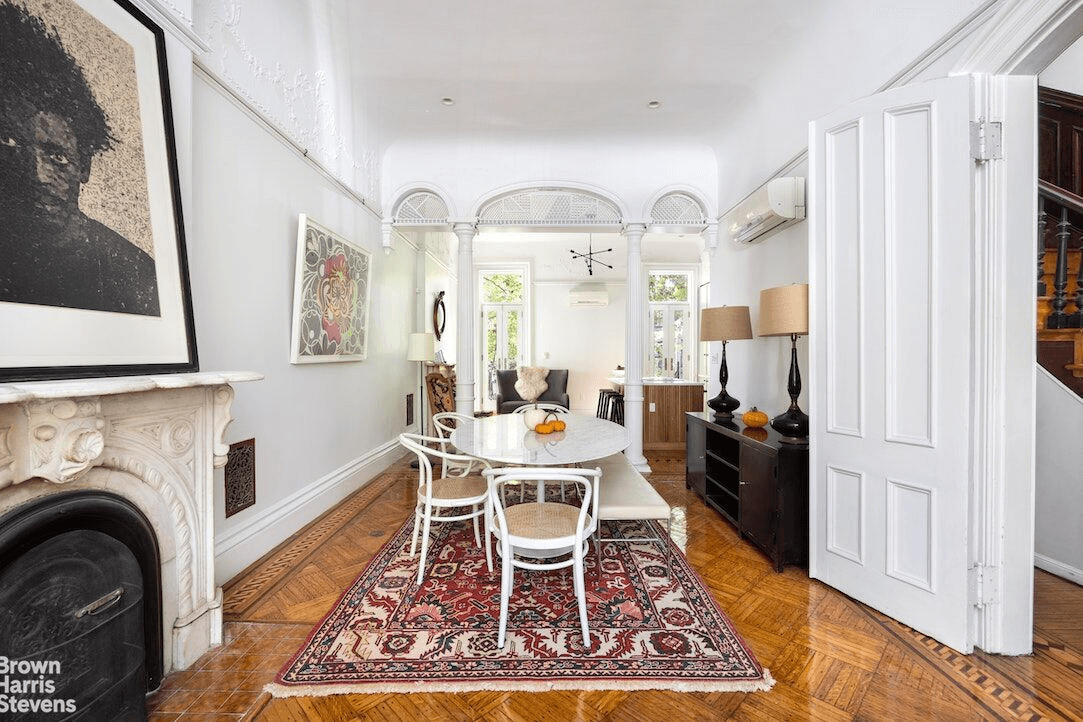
911	534
844	216
846	514
910	272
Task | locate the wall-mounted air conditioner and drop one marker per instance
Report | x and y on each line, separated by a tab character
775	205
588	294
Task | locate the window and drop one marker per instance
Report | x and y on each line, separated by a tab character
669	324
502	326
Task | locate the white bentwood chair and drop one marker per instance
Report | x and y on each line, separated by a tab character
458	485
543	405
541	534
446	422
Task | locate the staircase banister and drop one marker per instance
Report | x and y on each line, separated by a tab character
1064	197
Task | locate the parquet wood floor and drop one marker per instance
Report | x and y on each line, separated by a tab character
833	658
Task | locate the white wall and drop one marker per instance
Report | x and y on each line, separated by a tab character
320	429
1065	72
588	341
758	368
1058	535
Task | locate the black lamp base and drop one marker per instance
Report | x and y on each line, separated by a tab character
723	405
792	424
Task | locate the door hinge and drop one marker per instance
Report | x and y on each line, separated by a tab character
985	140
984	585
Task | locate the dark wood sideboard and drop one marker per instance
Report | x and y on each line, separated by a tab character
753	479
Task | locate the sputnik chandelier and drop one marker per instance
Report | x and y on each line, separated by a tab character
589	256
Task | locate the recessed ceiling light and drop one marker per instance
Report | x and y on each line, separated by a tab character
447	101
654	104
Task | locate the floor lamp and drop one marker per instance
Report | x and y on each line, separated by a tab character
421	347
725	323
784	312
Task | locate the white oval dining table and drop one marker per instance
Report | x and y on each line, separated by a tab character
505	439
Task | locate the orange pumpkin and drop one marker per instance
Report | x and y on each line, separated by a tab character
553	420
754	418
544	428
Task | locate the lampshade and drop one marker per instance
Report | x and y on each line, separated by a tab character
784	311
724	323
421	347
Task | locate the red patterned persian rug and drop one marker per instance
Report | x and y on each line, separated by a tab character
653	625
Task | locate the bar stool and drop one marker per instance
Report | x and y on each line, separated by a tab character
616	409
605	397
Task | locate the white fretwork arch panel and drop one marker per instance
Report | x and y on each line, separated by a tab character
678	212
550	207
422	208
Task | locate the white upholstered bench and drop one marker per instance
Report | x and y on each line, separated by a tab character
626	495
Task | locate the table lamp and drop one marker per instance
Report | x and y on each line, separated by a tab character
784	312
724	323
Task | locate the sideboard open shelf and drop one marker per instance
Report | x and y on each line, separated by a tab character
753	479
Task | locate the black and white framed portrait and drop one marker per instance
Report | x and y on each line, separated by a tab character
93	268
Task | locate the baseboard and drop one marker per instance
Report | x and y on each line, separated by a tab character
235	550
1059	569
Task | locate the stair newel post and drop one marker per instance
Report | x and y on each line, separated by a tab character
1042	220
1057	318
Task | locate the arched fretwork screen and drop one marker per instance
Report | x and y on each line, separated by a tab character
678	211
551	207
422	208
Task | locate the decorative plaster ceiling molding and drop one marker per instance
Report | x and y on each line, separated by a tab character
174	20
1024	37
300	102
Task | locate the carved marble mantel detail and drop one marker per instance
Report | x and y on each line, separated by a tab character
154	440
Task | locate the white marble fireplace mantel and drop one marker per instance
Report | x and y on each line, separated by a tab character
153	440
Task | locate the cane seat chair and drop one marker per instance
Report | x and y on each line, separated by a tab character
457	485
542	535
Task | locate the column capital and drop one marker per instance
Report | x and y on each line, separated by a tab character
386	227
634	229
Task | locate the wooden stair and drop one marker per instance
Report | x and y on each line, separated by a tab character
1060	351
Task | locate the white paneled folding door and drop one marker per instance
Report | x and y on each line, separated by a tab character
890	277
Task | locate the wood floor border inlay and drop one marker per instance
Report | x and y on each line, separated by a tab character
261	579
979	682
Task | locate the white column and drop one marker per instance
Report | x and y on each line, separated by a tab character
636	318
710	246
464	356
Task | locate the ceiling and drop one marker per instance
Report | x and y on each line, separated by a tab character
581	71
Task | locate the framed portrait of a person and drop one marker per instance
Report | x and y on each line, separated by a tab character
330	298
93	266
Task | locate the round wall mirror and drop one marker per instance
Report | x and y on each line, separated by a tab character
439	316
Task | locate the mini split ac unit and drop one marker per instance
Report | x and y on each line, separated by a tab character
775	205
588	294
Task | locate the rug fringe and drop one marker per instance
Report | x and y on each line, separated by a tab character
280	690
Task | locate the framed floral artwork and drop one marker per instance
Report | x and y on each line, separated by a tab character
330	298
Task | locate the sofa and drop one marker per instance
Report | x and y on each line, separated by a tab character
508	399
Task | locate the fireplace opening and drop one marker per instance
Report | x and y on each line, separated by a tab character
80	609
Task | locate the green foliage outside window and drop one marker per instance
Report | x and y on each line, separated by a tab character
663	287
502	288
